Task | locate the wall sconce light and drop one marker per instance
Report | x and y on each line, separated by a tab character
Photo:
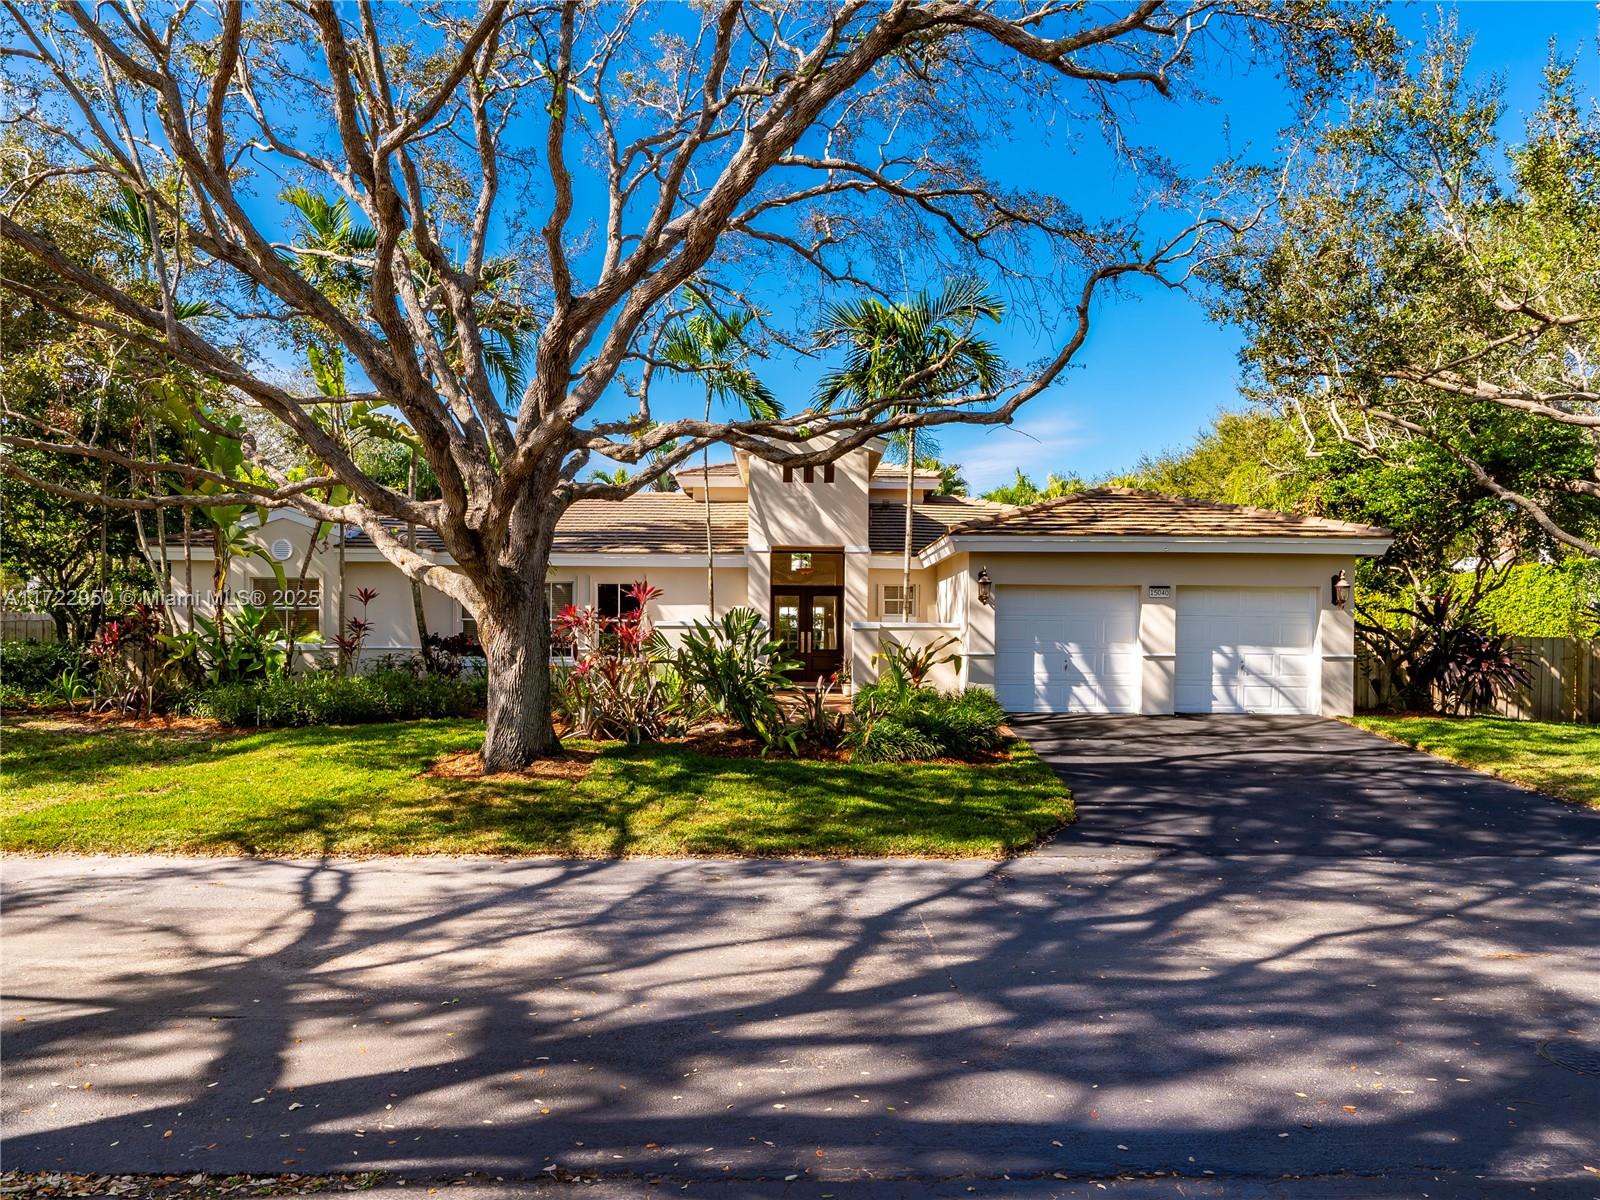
985	587
1341	590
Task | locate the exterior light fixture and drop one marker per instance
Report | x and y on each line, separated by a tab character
985	587
1341	590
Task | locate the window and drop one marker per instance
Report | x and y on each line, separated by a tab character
807	568
556	597
297	606
893	605
614	599
809	474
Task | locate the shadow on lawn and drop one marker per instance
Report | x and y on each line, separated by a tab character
850	1020
363	789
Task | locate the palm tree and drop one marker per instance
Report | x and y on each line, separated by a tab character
905	356
711	344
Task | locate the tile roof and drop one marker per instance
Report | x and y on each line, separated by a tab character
716	472
652	523
646	523
1125	512
930	520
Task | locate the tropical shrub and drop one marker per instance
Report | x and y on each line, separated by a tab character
333	698
31	666
916	664
131	658
894	721
247	643
1434	655
737	667
616	688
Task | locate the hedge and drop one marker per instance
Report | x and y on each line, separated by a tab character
1543	600
323	698
34	666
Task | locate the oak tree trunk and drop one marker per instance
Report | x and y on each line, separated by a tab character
515	631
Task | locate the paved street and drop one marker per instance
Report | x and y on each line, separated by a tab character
1382	1025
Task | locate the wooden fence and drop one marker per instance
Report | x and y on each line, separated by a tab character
1565	683
27	627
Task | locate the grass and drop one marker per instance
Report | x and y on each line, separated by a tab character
1560	760
355	790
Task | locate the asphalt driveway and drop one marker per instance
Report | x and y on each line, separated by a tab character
1140	1016
1225	785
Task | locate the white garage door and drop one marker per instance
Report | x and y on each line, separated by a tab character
1246	650
1064	649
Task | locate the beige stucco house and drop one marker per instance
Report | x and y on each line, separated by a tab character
1106	601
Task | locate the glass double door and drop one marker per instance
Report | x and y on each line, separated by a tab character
807	622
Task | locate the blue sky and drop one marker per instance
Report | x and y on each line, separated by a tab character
1155	369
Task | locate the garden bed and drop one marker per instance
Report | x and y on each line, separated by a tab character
77	786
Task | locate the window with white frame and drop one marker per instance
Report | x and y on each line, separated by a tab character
296	606
557	596
614	599
898	602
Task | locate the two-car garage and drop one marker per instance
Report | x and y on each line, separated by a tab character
1118	601
1079	649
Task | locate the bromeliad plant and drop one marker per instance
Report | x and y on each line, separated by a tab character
914	664
615	687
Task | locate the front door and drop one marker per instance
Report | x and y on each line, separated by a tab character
806	620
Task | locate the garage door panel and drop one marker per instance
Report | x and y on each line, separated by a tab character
1246	650
1065	649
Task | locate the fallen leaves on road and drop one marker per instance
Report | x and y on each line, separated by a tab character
52	1184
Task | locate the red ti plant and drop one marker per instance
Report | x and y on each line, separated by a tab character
614	689
353	636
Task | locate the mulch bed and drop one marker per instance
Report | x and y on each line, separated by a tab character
572	765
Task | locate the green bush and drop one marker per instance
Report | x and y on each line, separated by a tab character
13	697
894	722
323	698
1542	600
34	666
736	666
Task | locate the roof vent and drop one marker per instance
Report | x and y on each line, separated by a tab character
282	549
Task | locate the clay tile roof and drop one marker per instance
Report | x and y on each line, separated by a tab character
718	472
648	523
652	523
1125	512
931	519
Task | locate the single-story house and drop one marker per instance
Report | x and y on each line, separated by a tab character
1110	600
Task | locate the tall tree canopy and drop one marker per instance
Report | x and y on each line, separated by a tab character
524	191
1426	292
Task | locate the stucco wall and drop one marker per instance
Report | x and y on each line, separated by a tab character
871	636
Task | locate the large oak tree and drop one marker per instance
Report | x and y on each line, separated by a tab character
579	172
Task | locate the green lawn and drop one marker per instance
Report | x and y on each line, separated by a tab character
1561	760
361	790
